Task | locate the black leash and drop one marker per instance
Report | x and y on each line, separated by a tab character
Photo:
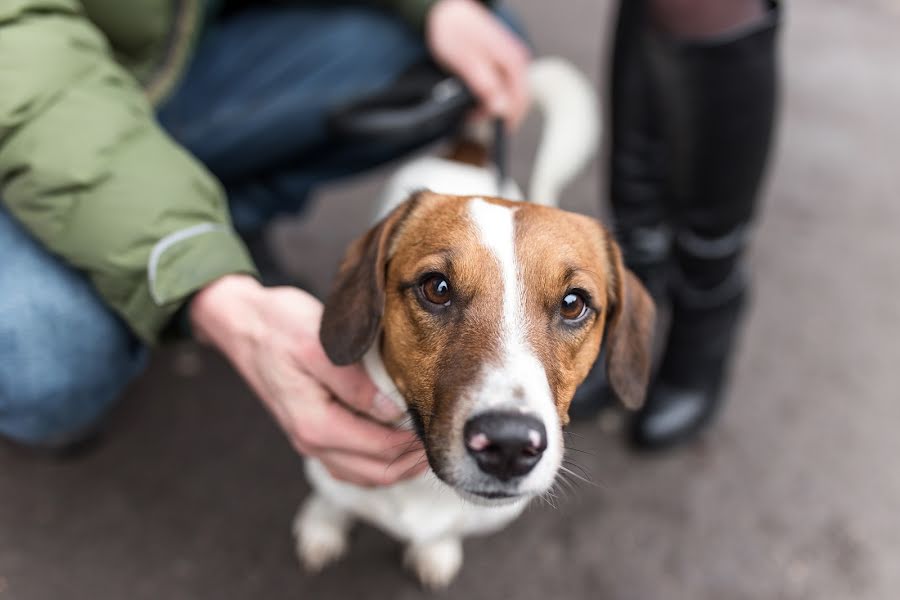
423	102
500	152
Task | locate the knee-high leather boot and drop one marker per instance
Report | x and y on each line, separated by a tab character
716	100
635	180
637	162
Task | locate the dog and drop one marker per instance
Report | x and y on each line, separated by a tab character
480	316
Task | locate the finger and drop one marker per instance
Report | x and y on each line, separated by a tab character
352	386
364	471
486	83
519	99
334	428
513	60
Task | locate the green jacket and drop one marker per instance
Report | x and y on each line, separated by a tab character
86	169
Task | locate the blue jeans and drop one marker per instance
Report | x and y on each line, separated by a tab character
251	107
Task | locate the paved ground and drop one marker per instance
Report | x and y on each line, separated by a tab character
794	495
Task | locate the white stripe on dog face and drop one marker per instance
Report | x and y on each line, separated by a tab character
519	380
496	230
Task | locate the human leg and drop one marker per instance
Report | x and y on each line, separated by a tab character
64	356
715	81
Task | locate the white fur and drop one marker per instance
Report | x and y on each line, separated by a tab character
435	563
571	126
443	176
320	529
425	513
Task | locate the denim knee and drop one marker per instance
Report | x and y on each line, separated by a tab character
64	356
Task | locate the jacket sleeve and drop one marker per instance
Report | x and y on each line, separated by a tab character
85	168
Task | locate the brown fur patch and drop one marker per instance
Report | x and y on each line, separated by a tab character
469	152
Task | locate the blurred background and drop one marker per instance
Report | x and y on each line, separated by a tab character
793	495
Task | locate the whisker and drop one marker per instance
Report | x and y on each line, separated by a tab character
585	472
418	462
407	443
573	449
399	456
564	487
564	481
549	498
577	476
569	465
406	452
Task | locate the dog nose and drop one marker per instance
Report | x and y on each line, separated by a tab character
505	444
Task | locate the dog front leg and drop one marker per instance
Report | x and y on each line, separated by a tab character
320	530
435	562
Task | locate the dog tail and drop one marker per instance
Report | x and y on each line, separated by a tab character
569	106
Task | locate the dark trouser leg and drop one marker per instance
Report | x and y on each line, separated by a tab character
637	155
716	106
65	357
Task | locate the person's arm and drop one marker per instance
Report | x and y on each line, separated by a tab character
271	336
86	169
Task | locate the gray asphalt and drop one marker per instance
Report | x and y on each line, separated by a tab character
794	495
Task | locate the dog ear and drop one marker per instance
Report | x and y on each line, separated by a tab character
352	317
629	338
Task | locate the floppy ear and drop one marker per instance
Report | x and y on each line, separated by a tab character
629	337
353	310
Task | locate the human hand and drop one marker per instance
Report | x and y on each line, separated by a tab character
466	39
271	336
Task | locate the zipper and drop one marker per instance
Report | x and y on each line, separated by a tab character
178	42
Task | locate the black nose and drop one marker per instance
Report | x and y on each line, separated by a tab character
505	444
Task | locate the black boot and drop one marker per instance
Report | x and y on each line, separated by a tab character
637	155
636	175
688	387
717	104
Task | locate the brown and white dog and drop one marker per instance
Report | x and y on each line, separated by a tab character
480	316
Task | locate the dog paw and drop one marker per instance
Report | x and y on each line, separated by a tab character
319	540
318	549
435	563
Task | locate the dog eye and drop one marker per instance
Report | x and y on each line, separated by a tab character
436	290
573	307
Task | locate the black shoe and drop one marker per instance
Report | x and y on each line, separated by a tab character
689	386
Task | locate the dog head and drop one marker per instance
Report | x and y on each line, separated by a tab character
489	314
